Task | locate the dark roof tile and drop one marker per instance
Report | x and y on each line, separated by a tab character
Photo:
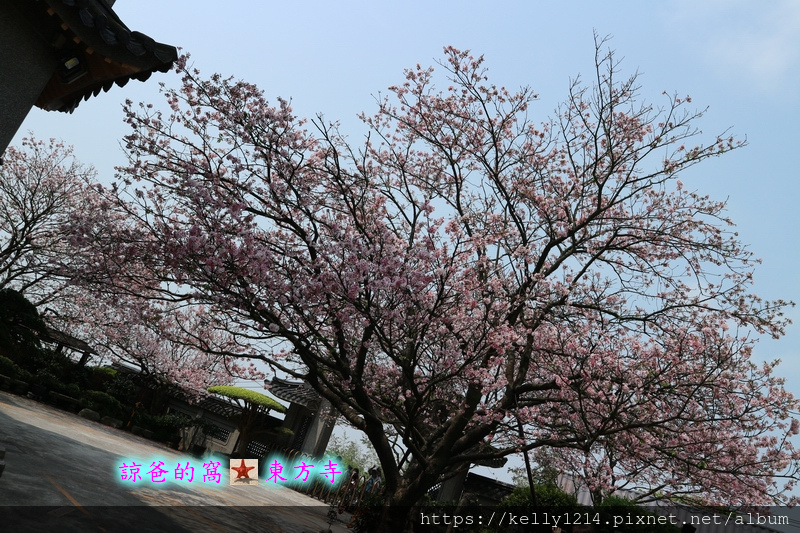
111	52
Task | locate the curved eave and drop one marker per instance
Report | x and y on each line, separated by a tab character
109	53
294	392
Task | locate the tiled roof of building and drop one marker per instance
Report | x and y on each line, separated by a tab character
65	339
295	392
95	49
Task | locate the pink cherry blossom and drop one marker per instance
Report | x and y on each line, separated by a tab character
465	271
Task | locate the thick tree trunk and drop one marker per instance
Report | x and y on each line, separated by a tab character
400	512
240	452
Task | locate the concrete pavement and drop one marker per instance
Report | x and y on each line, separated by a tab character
62	473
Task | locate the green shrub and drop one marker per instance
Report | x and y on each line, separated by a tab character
103	403
24	375
72	390
164	427
32	359
621	509
122	388
549	499
104	371
8	367
546	496
99	377
45	359
46	379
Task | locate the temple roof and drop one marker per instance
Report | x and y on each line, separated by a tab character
295	392
94	48
65	339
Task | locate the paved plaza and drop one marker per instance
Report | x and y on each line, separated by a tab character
62	473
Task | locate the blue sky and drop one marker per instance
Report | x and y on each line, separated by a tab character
741	59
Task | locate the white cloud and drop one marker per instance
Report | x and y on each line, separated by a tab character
757	43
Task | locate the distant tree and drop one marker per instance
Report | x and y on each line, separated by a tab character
356	454
165	343
255	407
543	469
41	186
43	191
465	272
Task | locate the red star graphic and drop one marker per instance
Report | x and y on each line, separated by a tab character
242	470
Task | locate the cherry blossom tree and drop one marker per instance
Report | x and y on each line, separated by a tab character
41	185
42	188
466	272
166	344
